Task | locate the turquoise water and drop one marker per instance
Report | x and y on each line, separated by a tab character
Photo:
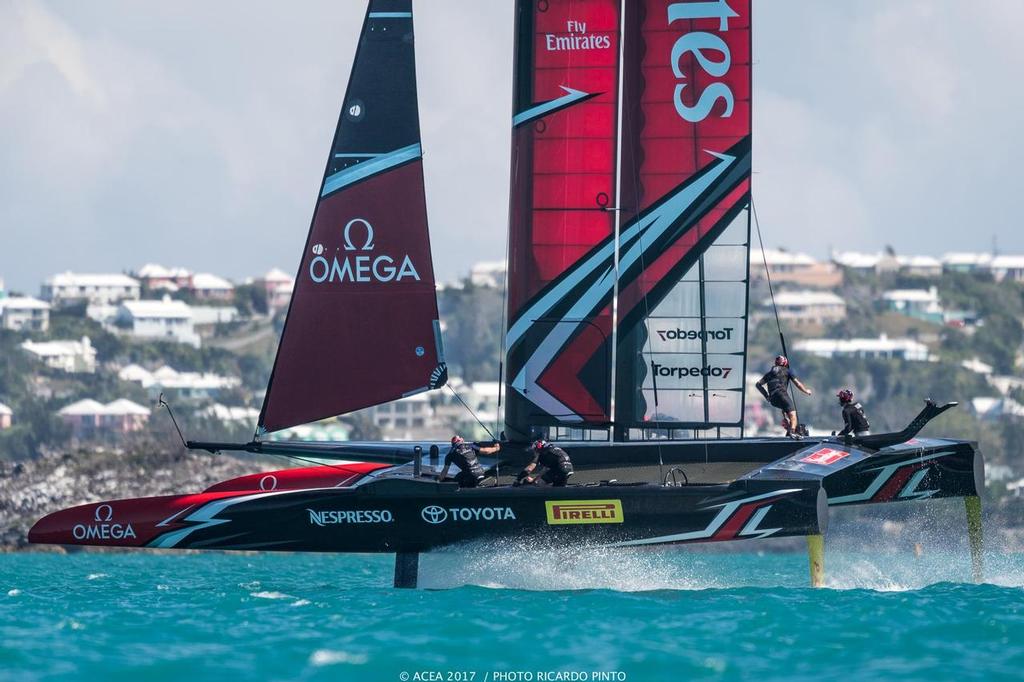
633	616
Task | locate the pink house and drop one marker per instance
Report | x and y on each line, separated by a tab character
89	418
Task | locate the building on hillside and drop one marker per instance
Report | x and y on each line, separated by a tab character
69	356
179	385
104	313
488	274
967	262
1008	267
231	414
1006	383
794	268
207	315
882	347
921	304
978	367
24	313
809	307
278	286
165	319
158	278
919	266
327	431
207	287
89	418
6	417
993	408
399	419
867	263
69	288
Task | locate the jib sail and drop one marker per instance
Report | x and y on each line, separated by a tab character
362	328
562	222
684	231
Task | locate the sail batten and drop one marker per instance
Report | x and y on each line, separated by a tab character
362	327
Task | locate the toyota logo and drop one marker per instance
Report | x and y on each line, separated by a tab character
434	514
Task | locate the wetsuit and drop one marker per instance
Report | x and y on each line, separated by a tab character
464	456
855	420
777	387
557	463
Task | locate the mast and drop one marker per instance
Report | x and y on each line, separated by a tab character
685	235
362	327
564	142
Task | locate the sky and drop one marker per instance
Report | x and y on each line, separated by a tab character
193	133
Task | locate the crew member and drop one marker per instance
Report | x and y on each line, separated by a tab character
774	386
464	456
553	459
854	419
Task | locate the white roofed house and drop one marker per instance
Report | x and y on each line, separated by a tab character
1008	267
860	262
89	418
794	268
69	356
967	262
409	417
882	347
70	288
921	304
207	287
156	277
919	266
277	285
809	307
165	319
6	417
179	385
488	274
23	313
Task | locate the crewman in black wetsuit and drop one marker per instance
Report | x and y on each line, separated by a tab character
555	460
774	386
854	419
464	456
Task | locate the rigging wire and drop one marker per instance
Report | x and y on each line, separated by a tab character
771	293
167	406
470	410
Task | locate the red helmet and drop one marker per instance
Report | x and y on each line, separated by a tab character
540	444
781	361
457	439
845	395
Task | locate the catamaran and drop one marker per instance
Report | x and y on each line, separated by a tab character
625	336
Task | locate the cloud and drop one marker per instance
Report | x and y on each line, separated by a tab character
195	132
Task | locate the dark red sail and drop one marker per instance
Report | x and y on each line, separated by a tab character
563	185
363	327
684	231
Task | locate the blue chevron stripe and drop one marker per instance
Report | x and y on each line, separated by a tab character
361	171
539	110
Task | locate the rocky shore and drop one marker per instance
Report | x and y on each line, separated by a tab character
31	489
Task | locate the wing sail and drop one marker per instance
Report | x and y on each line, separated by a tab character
362	328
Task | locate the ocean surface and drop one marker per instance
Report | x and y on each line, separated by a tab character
566	614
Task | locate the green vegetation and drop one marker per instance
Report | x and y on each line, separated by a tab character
892	390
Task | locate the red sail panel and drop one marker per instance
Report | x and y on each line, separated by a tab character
563	180
362	328
685	164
